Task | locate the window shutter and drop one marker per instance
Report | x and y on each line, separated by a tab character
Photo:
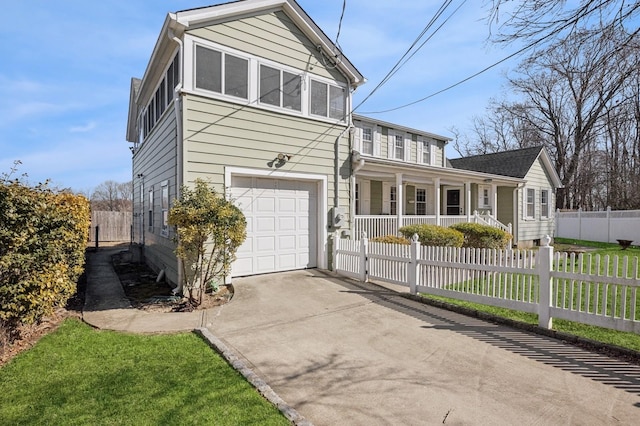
376	141
407	147
390	144
386	198
419	150
432	153
357	139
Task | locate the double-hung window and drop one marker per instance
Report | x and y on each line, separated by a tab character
165	208
280	88
327	100
393	200
530	203
151	209
426	152
398	147
367	140
421	201
544	203
222	72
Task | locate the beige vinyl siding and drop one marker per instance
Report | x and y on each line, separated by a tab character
534	229
156	161
271	36
438	154
219	134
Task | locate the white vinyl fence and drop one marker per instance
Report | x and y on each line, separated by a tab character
604	226
593	290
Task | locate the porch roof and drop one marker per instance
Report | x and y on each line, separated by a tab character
421	173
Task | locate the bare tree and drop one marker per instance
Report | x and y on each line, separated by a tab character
541	21
112	196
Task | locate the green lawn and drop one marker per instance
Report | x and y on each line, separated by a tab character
591	294
78	375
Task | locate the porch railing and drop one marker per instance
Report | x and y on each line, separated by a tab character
377	226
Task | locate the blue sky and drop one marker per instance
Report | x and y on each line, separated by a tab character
66	68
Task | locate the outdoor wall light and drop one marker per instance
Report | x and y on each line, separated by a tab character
284	157
488	180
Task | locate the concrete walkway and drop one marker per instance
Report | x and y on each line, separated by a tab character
342	352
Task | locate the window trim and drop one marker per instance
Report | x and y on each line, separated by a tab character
164	207
364	141
150	209
529	203
223	72
417	202
545	206
281	85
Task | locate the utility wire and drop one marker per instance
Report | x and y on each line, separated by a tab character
344	7
568	23
400	62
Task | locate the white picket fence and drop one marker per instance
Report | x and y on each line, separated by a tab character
561	285
604	226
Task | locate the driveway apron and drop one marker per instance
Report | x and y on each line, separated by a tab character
343	352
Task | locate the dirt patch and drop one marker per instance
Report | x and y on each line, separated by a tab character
145	292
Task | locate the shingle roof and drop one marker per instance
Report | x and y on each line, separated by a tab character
515	163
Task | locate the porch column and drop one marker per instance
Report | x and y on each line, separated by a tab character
467	200
400	199
494	205
436	185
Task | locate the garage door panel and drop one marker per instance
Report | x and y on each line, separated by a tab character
265	224
281	224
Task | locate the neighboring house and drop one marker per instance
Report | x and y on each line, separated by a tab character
534	207
253	97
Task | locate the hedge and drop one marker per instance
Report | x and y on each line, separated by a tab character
433	235
482	236
391	239
43	236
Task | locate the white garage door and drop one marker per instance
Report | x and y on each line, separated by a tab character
281	224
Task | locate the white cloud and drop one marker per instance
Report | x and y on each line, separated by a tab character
84	128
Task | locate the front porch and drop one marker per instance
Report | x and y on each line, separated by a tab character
377	226
389	195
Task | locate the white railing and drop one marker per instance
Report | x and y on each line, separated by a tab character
559	285
605	226
378	226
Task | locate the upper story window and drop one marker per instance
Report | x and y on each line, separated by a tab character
398	147
327	100
367	140
280	88
222	72
162	97
426	151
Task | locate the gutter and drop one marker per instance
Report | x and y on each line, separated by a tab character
177	109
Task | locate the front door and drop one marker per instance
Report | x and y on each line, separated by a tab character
453	202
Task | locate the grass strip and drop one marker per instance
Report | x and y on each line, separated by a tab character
78	375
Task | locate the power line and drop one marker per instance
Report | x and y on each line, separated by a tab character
400	62
344	7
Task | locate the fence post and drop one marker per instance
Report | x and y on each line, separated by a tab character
334	251
413	264
364	250
544	264
580	223
97	235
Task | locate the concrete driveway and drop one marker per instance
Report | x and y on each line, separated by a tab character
348	353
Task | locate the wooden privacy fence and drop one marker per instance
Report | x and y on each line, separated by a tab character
112	226
591	289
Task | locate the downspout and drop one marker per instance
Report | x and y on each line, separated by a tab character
177	109
516	219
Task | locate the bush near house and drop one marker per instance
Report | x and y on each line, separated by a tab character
434	235
482	236
391	239
43	236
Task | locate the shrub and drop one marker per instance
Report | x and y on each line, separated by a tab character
43	235
482	236
391	239
210	230
434	235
